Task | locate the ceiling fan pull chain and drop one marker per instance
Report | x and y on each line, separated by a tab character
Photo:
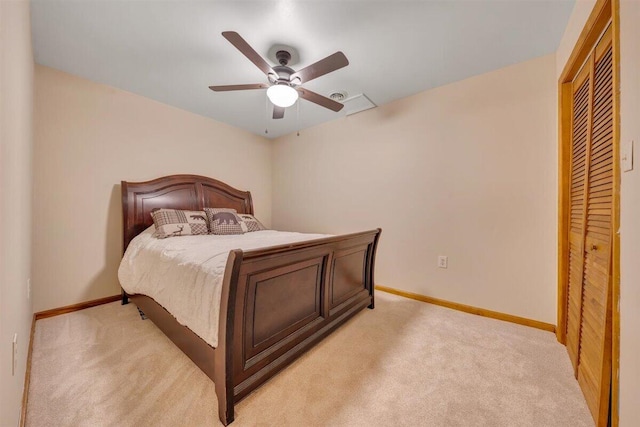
298	116
266	115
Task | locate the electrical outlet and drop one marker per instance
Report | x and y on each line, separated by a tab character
14	357
28	288
443	261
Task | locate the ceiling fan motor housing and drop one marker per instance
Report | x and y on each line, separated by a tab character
283	75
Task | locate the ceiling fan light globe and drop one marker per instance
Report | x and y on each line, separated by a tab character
282	95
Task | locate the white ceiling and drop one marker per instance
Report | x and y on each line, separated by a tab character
171	51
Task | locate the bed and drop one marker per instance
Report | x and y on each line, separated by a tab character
257	335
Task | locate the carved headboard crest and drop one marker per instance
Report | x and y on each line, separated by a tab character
190	192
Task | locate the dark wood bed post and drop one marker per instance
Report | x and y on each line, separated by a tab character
372	266
223	367
125	237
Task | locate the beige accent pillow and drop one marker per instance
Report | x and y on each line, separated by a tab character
251	223
175	222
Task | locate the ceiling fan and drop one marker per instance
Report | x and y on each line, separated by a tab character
284	88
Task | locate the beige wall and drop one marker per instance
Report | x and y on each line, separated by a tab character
89	137
630	195
466	170
16	105
630	216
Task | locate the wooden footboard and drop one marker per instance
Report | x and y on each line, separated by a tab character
278	302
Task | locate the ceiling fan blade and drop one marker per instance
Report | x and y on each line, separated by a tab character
253	56
323	101
278	112
324	66
238	87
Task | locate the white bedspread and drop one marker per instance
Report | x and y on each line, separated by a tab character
184	274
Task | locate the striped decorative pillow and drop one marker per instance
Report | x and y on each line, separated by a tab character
224	221
174	222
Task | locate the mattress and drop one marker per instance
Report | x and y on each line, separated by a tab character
184	274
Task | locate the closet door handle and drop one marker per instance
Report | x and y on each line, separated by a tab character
594	247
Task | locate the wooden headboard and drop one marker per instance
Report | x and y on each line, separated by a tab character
190	192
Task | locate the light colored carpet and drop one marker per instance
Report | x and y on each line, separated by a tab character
406	363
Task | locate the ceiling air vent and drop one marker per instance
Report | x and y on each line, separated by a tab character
357	103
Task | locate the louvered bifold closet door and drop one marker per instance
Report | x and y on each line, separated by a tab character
588	327
594	367
580	135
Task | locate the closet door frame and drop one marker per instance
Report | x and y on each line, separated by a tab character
604	12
